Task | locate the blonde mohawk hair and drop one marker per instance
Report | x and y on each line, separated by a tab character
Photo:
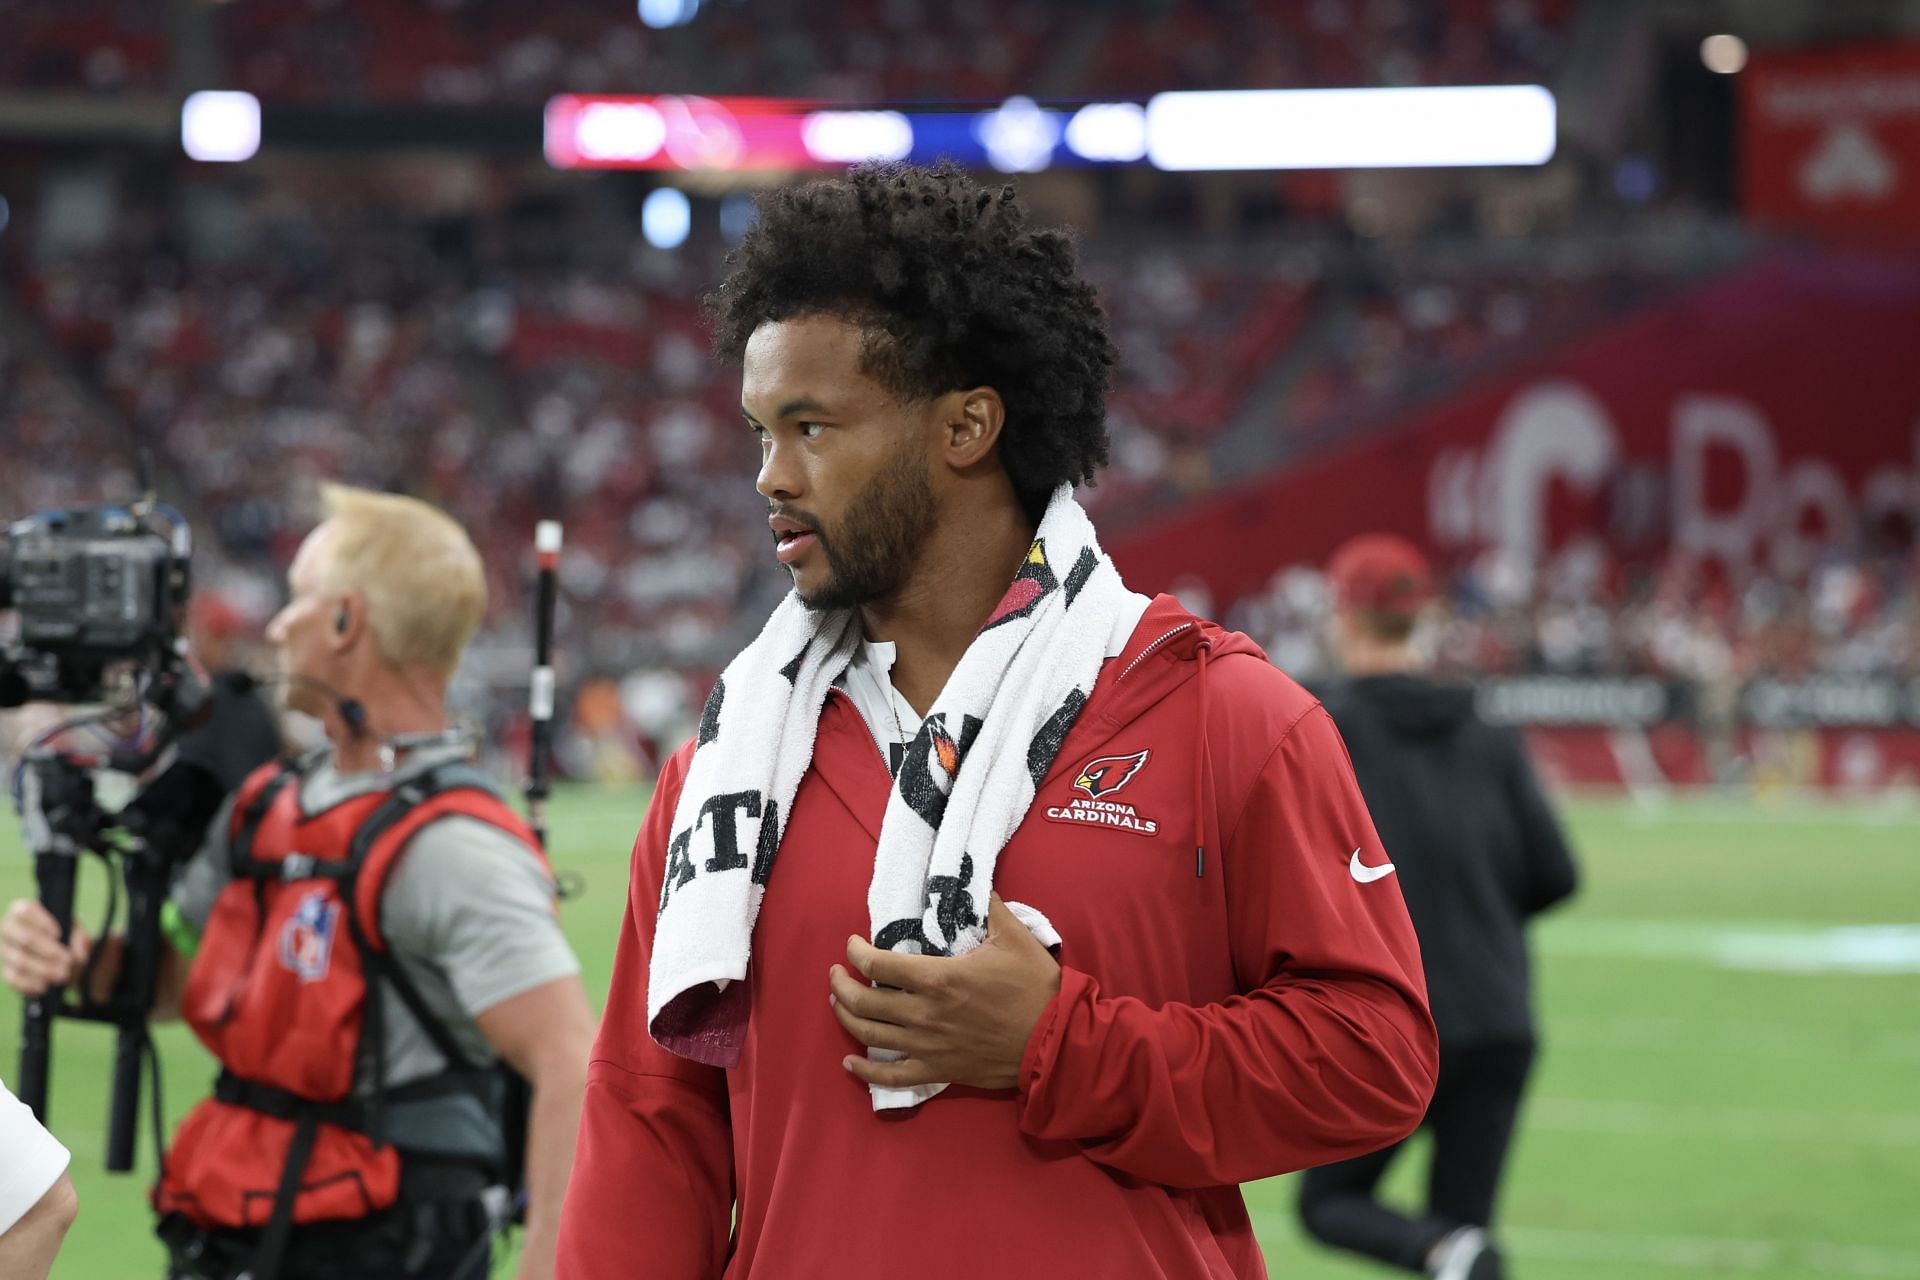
423	581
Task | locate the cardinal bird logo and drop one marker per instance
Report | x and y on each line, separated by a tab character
1108	774
945	749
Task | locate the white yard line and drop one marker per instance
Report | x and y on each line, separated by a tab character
1756	947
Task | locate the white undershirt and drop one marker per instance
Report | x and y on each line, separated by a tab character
31	1160
892	720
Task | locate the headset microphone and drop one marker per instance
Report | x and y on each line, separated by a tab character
352	712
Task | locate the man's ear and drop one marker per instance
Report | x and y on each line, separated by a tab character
973	421
349	616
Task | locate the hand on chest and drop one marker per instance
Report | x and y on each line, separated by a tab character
1106	849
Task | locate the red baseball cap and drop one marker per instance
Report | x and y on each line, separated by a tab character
217	615
1380	573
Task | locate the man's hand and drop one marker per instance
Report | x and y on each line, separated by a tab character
961	1020
32	957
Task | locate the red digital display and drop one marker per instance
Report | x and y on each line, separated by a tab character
677	132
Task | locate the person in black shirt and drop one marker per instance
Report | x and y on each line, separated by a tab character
1478	853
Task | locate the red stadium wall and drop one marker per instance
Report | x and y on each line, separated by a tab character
1748	421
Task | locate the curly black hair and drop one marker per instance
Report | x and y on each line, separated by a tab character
954	289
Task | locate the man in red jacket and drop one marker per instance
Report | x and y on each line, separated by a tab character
1235	991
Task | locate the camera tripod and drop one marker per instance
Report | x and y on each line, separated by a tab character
63	822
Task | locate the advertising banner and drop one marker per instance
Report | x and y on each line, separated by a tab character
1677	756
1544	700
1830	140
1818	702
1750	421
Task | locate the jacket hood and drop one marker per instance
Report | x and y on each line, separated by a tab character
1163	653
1413	706
1169	628
1165	614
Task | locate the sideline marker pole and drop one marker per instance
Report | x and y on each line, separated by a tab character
546	546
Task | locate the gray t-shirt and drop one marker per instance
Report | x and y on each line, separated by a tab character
467	912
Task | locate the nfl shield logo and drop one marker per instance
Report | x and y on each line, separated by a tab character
306	940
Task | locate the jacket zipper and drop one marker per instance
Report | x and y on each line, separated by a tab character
1148	651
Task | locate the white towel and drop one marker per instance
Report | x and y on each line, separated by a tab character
965	783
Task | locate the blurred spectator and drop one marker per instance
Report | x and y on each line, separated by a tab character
1476	852
1852	614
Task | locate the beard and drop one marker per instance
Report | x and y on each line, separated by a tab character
872	551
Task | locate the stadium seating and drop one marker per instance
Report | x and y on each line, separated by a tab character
498	52
338	340
510	367
1327	43
1852	615
101	46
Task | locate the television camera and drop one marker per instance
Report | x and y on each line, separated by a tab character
100	593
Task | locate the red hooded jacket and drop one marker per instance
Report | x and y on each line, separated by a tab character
1235	1002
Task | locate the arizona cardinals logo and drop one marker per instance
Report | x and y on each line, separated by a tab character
931	763
945	749
1108	774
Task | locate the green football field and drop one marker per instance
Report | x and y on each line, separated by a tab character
1730	1083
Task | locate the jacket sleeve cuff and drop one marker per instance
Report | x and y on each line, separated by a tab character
1043	1045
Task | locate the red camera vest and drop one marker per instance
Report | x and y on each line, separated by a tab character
281	991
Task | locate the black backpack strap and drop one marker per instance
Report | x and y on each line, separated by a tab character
240	859
283	1104
380	962
349	1113
514	1093
384	966
273	1237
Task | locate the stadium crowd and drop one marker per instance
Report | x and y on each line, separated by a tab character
515	360
505	345
515	366
464	52
1853	613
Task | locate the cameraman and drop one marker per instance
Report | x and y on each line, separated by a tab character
360	937
37	1203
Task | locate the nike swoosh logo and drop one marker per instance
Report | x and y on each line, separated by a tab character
1364	873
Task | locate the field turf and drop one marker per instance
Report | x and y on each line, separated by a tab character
1728	1087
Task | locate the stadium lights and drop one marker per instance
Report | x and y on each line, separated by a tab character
220	125
1109	132
848	137
1352	128
613	131
1724	54
1020	136
666	216
668	13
